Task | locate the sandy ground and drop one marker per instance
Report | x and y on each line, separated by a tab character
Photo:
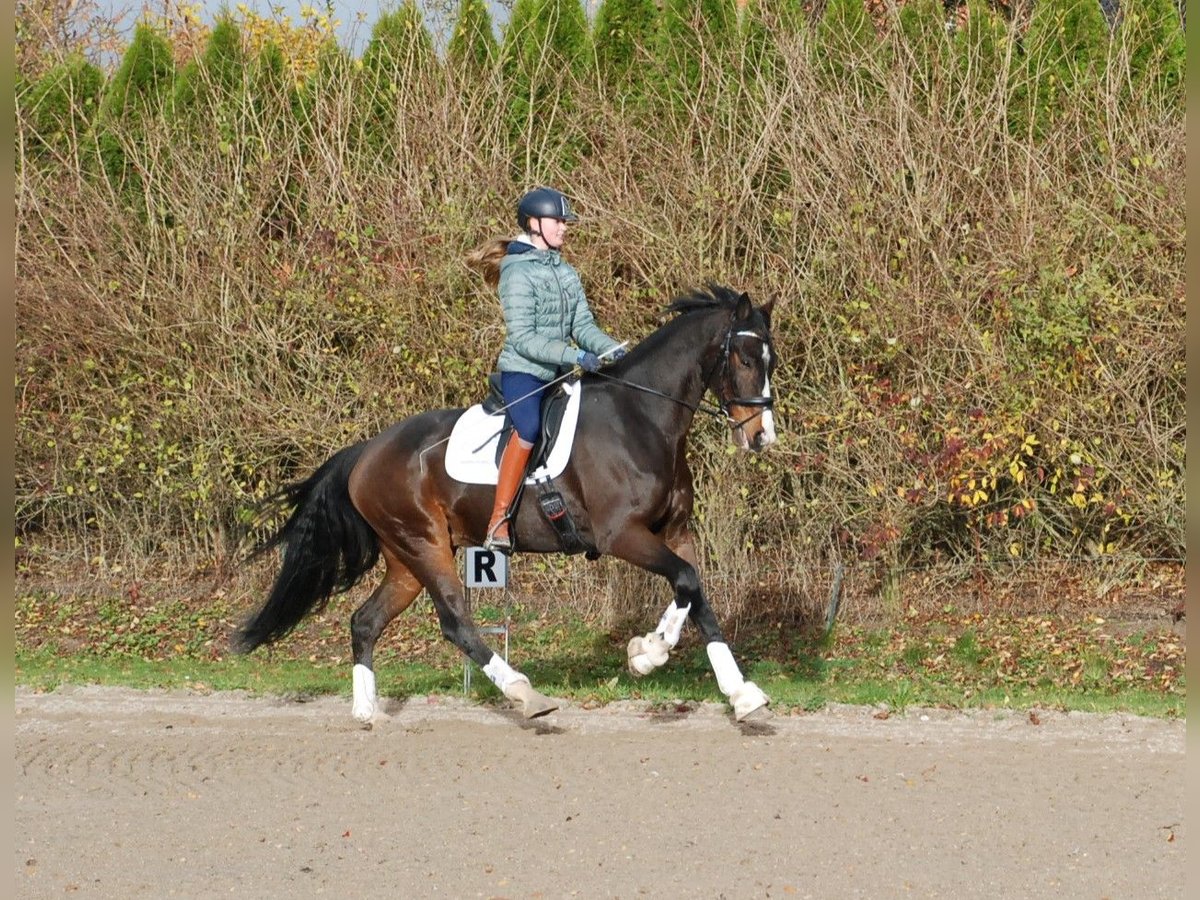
122	793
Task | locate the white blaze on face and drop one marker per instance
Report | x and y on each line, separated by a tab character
768	419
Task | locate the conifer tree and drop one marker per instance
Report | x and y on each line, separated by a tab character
980	49
545	48
398	63
473	49
60	106
925	44
691	31
1066	47
137	95
1151	34
845	43
275	102
765	24
212	81
623	33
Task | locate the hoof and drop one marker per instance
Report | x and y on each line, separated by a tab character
646	654
363	715
748	700
539	705
533	704
758	716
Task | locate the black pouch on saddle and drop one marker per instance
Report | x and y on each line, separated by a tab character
554	508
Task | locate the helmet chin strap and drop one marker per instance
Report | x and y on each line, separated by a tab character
537	233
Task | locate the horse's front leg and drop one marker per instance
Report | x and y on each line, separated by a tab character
440	576
646	550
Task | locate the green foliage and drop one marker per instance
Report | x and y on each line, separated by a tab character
61	105
546	48
473	49
400	51
766	23
1065	51
133	99
623	37
845	44
276	111
980	50
567	41
924	44
212	83
1151	33
693	31
326	103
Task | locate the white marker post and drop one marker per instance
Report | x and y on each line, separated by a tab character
485	569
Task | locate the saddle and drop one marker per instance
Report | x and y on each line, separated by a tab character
554	407
477	442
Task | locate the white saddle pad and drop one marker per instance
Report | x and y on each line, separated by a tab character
471	451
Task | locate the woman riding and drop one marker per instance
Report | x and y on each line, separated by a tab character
548	325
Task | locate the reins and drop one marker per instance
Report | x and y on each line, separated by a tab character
721	411
697	407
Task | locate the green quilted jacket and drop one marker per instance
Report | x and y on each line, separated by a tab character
545	311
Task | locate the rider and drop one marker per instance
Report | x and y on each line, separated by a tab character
545	310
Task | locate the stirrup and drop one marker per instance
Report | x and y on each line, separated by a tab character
501	542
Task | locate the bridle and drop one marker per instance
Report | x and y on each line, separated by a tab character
722	410
762	402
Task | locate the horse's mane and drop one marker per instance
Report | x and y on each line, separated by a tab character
686	306
711	296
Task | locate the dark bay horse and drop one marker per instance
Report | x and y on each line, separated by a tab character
627	486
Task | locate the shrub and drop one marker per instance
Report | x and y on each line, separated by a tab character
400	51
692	30
472	50
623	36
845	44
546	47
60	107
133	104
1150	33
1064	53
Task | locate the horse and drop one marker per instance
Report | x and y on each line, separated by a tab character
627	484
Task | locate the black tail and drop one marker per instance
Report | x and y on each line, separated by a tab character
327	545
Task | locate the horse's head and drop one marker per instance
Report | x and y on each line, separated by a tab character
740	376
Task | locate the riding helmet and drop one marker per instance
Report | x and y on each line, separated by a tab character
544	202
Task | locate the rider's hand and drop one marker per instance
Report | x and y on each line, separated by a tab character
617	354
589	362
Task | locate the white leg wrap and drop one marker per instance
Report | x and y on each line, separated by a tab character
504	676
648	653
364	693
744	696
670	626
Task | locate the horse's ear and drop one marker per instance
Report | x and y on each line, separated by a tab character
744	308
765	309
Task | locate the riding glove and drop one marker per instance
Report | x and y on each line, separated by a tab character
589	362
617	354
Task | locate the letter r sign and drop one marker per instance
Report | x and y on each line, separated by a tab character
486	568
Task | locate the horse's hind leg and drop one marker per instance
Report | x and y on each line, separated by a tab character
438	572
398	590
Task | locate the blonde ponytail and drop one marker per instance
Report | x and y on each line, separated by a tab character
485	259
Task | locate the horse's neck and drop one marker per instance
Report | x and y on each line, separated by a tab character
674	368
